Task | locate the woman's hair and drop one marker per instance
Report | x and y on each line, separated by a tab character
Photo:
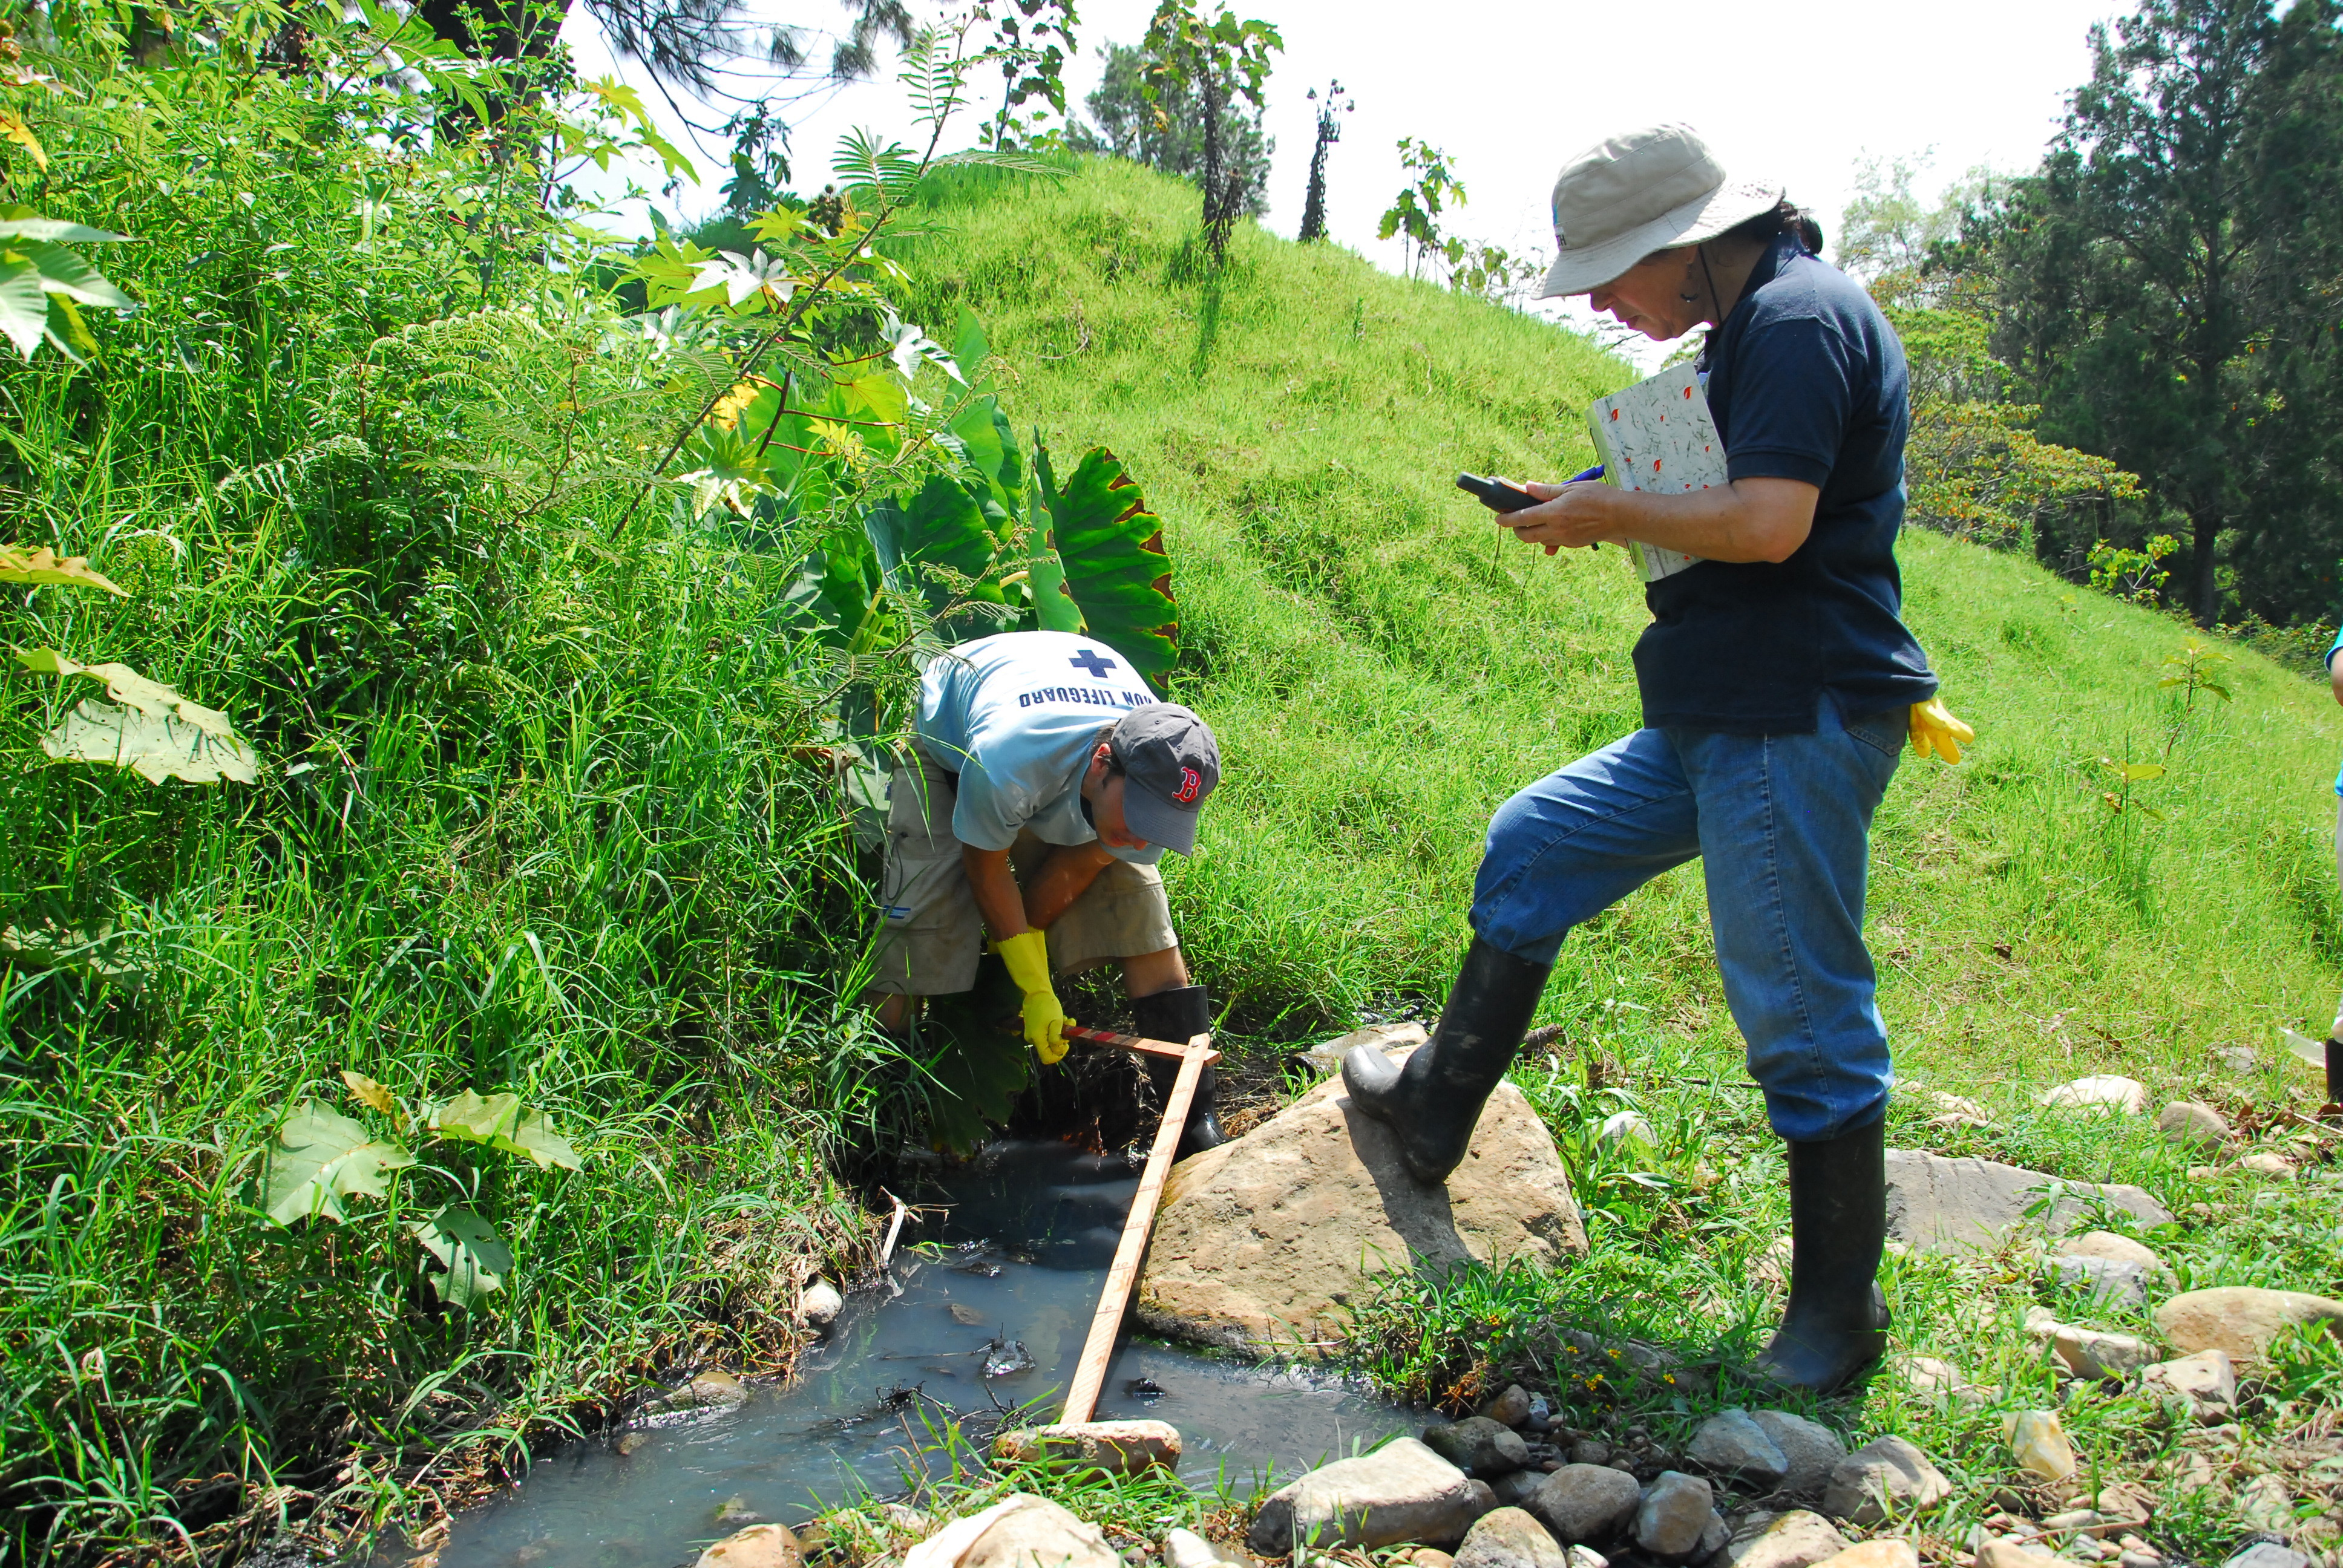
1783	217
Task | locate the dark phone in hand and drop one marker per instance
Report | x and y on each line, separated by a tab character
1496	494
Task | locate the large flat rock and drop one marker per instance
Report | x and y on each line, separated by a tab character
1949	1205
1264	1243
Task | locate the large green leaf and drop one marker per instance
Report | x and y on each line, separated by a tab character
976	1068
1054	608
154	747
501	1122
1116	569
321	1156
941	544
474	1257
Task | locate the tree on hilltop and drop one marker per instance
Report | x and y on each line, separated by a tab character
1168	134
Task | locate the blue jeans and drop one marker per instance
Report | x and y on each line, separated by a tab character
1782	826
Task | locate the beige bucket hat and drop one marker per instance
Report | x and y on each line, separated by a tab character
1630	195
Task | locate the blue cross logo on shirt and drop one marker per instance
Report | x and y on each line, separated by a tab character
1090	661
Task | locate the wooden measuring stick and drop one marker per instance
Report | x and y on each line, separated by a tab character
1106	1325
1133	1043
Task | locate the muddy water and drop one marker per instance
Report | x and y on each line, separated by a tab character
993	1307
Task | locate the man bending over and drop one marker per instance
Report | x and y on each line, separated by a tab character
1045	783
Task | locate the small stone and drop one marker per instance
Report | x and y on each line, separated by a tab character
2117	1283
1772	1267
1514	1490
2104	1094
1402	1492
1811	1449
2039	1443
709	1390
2191	1125
2241	1319
1584	1503
2278	1167
2011	1555
1590	1451
1796	1539
1674	1511
2265	1504
1732	1447
1510	1538
1951	1110
1541	1415
1887	1475
736	1511
819	1305
759	1546
1927	1375
1427	1557
1886	1551
2089	1353
2073	1519
2207	1380
1510	1408
1713	1537
1479	1446
1624	1127
2115	1249
1582	1556
1186	1549
2127	1501
1116	1447
1014	1532
2269	1554
629	1442
2237	1060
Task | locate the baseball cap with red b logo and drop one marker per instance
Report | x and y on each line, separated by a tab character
1170	762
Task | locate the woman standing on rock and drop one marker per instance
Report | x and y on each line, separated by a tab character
1778	685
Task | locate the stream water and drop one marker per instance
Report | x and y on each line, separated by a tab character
1016	1261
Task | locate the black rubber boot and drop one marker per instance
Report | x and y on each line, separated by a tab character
1836	1326
1178	1016
1434	1100
2333	1109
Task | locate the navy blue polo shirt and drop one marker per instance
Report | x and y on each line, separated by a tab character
1806	381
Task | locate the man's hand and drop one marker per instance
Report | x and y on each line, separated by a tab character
1571	517
1028	958
1933	727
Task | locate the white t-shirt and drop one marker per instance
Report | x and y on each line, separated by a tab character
1018	715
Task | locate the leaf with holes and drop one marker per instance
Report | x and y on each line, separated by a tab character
319	1158
42	568
475	1257
1116	569
153	749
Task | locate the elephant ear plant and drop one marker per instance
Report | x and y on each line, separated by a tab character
317	1157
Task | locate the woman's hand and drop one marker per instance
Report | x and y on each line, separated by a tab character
1757	520
1569	516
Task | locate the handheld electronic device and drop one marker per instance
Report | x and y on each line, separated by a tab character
1500	496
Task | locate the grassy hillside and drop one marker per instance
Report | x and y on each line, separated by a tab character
1383	668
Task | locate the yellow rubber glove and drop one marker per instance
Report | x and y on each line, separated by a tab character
1028	958
1934	728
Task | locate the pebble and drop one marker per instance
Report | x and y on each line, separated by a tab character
1479	1446
2011	1555
1673	1512
759	1546
1583	1556
2276	1166
2241	1319
2236	1059
1732	1447
1887	1475
1812	1449
2113	1280
2265	1504
2039	1443
1510	1408
1796	1539
1518	1488
1590	1451
1186	1549
2091	1353
2208	1380
1585	1503
2115	1249
1510	1538
1886	1551
2101	1094
819	1305
2193	1125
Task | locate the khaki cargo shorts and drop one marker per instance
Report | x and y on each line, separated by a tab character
934	934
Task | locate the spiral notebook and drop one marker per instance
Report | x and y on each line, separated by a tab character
1656	437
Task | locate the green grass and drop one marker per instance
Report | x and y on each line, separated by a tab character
1382	675
555	834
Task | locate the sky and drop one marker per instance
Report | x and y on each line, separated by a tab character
1798	93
